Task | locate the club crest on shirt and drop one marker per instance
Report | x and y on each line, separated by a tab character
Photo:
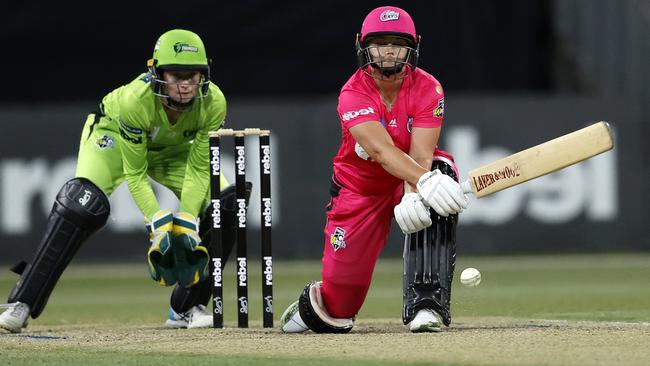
337	239
409	124
440	110
105	142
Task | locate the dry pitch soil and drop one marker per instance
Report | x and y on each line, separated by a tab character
484	341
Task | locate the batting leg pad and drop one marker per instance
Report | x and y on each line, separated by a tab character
183	299
429	261
313	312
80	209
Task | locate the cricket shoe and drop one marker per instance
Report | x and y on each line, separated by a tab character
291	321
14	319
426	320
197	317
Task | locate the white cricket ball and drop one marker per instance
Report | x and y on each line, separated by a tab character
470	277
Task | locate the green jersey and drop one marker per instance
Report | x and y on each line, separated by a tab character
144	128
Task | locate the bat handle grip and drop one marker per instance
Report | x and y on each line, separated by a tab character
467	188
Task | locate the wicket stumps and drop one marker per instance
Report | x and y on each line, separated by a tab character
216	247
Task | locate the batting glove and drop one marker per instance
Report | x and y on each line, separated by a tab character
442	193
411	214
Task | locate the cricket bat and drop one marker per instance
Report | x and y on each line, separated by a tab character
539	160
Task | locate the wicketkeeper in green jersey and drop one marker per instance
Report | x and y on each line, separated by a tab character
156	127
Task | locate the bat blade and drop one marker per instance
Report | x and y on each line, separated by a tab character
540	160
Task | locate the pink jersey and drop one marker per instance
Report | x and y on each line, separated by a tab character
420	103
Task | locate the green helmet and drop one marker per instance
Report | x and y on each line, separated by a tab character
179	50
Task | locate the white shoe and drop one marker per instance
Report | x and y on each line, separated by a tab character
426	320
197	317
15	317
291	321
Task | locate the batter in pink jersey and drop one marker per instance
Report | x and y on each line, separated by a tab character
391	114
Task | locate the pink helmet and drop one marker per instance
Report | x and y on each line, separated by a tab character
387	20
384	21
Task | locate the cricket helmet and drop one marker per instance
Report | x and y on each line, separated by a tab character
179	50
388	21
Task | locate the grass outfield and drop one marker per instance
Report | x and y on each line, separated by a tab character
542	310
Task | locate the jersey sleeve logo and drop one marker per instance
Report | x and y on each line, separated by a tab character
354	114
133	130
125	130
133	140
440	110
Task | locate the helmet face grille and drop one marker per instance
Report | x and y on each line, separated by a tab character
389	60
160	88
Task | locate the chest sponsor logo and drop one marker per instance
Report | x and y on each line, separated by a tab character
354	114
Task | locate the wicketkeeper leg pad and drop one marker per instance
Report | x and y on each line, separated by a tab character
315	315
80	209
429	260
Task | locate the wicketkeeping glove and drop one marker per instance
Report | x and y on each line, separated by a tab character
411	214
442	193
160	255
190	257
